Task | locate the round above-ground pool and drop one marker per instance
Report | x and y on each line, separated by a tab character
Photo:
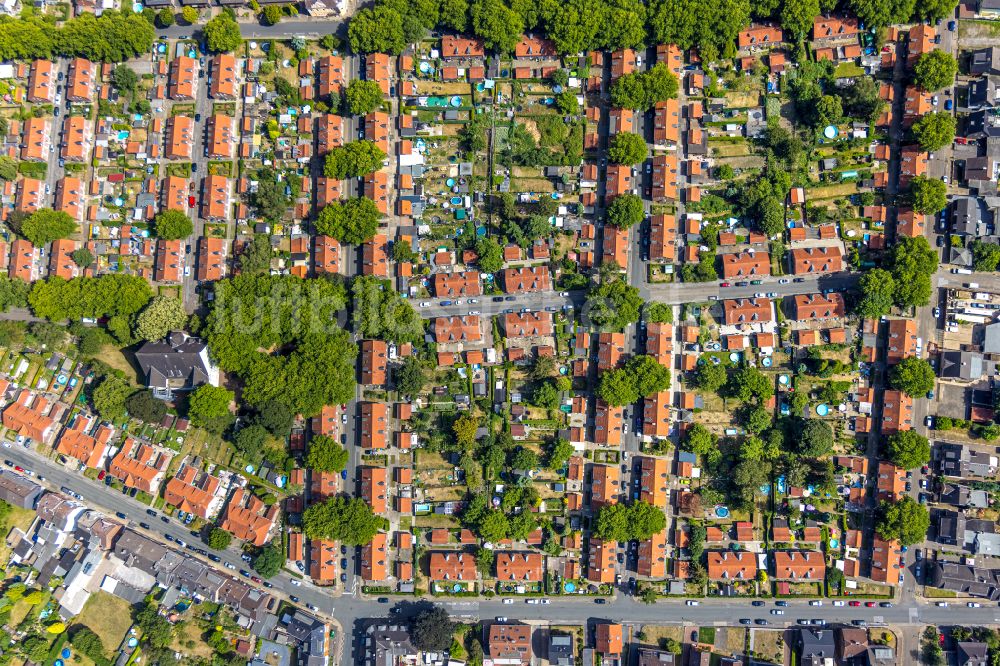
831	131
569	586
65	654
425	67
450	182
822	409
722	512
456	101
783	380
734	357
834	543
766	362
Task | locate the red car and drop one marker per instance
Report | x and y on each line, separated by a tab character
855	604
191	202
870	604
725	284
100	477
18	468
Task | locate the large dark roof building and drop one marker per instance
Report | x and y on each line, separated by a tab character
18	490
178	363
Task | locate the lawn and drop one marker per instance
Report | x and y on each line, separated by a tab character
107	616
706	635
113	357
20	518
658	634
767	643
939	593
188	641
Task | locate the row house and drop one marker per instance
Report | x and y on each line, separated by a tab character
69	197
75	139
663	238
169	262
175	194
42	82
330	75
329	132
664	170
23	261
183	78
81	80
179	138
526	280
222	72
247	518
36	140
221	136
211	259
215	198
460	284
194	491
374	488
140	466
31	416
326	254
519	325
375	559
374	425
61	262
374	356
30	195
377	69
84	440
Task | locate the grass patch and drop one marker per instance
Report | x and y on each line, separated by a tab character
116	359
107	616
706	635
848	69
938	593
19	518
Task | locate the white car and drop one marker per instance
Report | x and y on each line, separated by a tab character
973	604
425	304
229	566
531	601
783	281
815	602
838	603
692	602
296	583
501	618
508	601
473	300
942	604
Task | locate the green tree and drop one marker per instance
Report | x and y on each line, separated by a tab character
912	262
46	225
143	406
326	455
219	539
935	70
269	198
710	377
432	629
613	303
157	632
165	17
208	407
82	257
490	255
641	377
545	395
756	419
497	24
700	440
272	14
642	90
913	376
222	34
410	378
125	79
908	449
877	288
109	397
173	224
747	382
349	520
8	169
190	15
465	428
256	257
494	526
162	315
567	103
354	221
638	521
985	256
271	558
363	96
250	440
627	148
905	521
626	210
815	438
353	160
558	454
658	313
377	29
796	16
935	130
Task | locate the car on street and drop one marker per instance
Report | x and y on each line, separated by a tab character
725	284
973	604
692	602
164	519
783	281
780	603
951	26
870	604
383	600
296	583
121	515
929	421
746	620
215	558
600	601
854	604
885	604
777	611
942	604
508	601
761	621
815	602
838	602
144	526
858	623
293	598
229	565
757	603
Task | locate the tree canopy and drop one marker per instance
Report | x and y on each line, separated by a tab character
627	148
934	131
363	96
46	225
636	521
353	221
313	361
269	559
626	210
643	89
641	377
172	225
912	262
143	406
905	521
815	438
928	195
162	315
326	455
94	297
935	70
613	304
112	37
908	449
432	629
376	29
208	407
222	34
219	539
913	376
877	287
747	383
381	312
348	520
354	159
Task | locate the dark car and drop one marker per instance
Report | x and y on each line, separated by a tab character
294	598
858	623
781	603
215	558
266	584
885	604
343	578
343	563
746	620
244	573
600	601
150	512
164	519
509	298
383	600
144	526
757	603
343	549
121	515
498	299
761	621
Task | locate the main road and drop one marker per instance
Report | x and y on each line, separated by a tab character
350	611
